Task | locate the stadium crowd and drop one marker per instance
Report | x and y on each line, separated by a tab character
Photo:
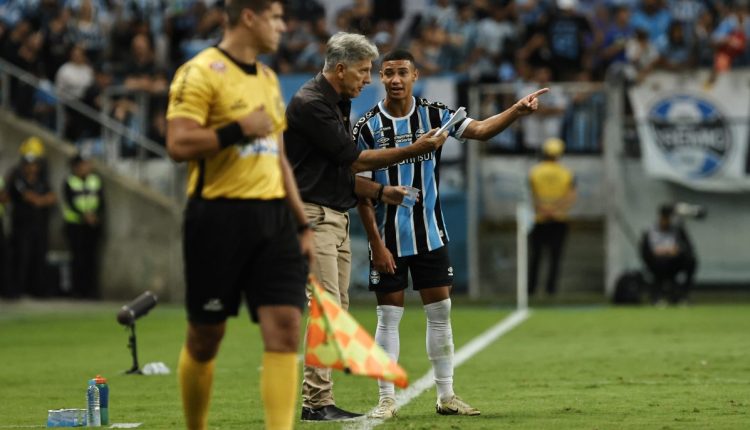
105	52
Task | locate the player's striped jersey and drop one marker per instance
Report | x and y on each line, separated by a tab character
420	229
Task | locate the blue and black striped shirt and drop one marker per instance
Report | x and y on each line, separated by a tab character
420	229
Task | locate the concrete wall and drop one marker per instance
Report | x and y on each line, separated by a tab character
141	247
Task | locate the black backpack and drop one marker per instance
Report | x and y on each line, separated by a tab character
629	288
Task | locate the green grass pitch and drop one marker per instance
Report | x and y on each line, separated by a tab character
564	368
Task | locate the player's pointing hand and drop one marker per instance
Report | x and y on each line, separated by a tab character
530	103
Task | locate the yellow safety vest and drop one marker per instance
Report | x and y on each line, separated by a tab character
85	198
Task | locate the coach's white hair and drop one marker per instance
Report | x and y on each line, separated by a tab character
348	48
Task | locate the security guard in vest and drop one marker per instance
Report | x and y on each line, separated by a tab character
83	206
553	191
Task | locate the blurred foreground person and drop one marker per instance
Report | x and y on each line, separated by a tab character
226	117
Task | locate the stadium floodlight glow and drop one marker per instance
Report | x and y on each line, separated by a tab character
127	316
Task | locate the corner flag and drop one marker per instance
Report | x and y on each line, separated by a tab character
336	340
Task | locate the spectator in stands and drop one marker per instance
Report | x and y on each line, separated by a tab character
567	35
94	98
56	43
27	59
71	82
360	19
31	199
584	117
676	52
86	30
730	36
312	58
615	39
704	49
642	56
653	17
443	13
494	35
553	191
293	42
463	38
12	42
83	209
667	251
142	73
430	49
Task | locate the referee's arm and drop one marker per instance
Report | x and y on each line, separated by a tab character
187	139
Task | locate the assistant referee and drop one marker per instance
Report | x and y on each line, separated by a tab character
226	117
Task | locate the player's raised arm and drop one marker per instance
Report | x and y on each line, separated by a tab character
492	126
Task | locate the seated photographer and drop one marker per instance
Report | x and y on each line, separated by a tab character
667	251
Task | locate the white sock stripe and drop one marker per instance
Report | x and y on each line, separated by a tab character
469	350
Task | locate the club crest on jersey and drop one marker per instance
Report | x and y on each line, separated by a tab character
218	66
374	277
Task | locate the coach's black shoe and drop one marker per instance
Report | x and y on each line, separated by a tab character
327	413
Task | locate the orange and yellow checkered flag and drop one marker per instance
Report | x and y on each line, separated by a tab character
336	340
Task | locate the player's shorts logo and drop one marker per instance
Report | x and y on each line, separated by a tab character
692	134
213	305
374	277
450	271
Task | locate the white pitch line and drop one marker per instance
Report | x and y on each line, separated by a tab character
466	352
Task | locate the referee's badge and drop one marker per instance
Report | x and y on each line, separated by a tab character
218	66
374	277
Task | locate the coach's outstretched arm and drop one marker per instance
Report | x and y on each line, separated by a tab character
485	129
372	159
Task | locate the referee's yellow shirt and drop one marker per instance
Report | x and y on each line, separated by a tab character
214	90
551	182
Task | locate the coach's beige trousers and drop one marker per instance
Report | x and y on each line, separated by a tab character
332	267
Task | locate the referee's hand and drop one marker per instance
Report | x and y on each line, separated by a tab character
257	124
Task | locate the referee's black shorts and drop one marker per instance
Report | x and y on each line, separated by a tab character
236	247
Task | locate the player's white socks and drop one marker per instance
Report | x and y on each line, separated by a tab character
440	346
386	335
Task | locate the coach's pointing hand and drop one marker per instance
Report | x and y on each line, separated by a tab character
431	141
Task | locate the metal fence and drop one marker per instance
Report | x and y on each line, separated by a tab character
148	163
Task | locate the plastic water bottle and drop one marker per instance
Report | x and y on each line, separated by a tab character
93	411
101	384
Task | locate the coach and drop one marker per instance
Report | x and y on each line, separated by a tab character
324	159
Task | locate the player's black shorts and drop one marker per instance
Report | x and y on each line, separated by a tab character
235	247
429	270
